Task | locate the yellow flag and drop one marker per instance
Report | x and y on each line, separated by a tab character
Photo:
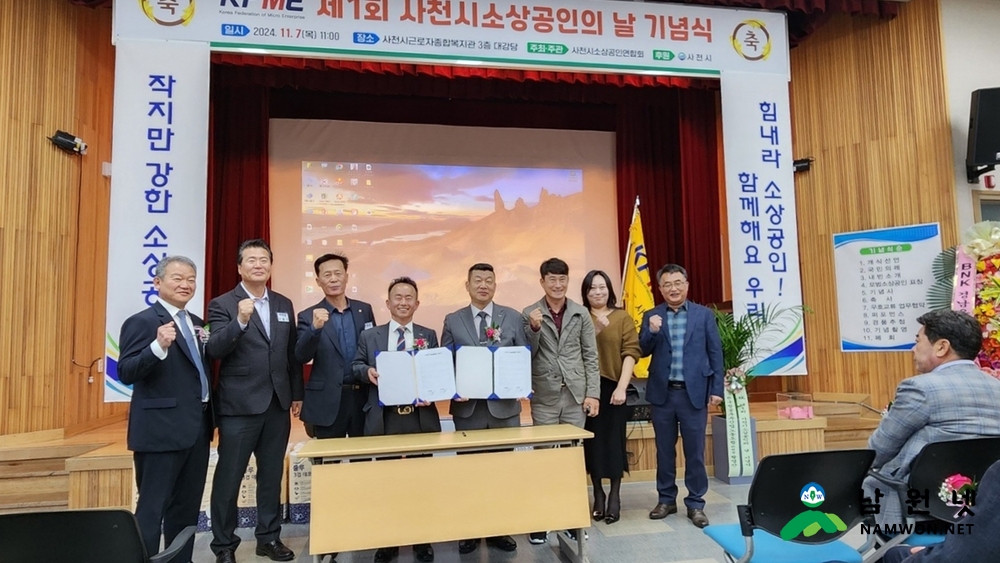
637	292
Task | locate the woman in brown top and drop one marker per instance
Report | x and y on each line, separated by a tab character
617	352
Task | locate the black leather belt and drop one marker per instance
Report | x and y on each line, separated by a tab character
676	385
354	386
404	410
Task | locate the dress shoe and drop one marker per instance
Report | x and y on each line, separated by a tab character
612	518
662	511
538	538
225	556
423	552
598	512
275	551
467	546
386	554
572	534
697	516
503	543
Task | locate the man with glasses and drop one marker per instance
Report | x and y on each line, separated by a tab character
685	377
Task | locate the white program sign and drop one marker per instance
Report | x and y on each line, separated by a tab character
882	281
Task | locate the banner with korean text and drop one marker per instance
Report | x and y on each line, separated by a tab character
763	229
882	280
158	179
598	35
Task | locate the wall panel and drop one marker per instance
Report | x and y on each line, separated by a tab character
58	67
868	103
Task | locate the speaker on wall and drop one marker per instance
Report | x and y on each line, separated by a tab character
984	128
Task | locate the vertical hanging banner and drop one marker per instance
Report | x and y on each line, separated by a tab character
158	178
763	229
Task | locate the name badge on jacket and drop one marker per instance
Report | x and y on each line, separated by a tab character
282	317
368	326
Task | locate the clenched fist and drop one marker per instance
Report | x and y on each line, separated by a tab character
655	323
601	322
535	318
320	316
245	310
165	335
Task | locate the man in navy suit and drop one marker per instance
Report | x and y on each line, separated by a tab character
399	334
981	543
260	381
685	377
170	419
328	335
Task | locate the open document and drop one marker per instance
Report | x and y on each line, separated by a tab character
416	375
493	373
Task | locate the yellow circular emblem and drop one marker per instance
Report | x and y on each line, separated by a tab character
752	41
168	12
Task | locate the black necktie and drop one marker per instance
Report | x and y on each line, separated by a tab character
482	326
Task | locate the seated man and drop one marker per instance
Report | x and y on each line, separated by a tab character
950	399
981	542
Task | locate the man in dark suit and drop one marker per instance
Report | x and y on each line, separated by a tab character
468	326
170	419
980	543
253	335
685	376
328	337
399	334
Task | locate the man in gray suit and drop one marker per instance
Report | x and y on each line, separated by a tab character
469	326
401	333
950	399
253	336
565	377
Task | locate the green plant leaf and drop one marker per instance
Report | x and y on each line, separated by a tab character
944	265
940	294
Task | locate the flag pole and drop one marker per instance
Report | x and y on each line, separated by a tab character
628	247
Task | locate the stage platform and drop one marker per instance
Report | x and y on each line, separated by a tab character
94	469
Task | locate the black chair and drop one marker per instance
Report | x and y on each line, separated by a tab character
81	536
829	481
935	463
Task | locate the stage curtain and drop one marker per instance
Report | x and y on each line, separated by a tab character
667	156
237	187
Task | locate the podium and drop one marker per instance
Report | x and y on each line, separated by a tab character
373	492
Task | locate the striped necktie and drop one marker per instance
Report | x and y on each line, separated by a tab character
401	341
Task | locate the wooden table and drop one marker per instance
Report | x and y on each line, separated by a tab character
494	490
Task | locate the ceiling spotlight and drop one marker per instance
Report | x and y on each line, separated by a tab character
69	142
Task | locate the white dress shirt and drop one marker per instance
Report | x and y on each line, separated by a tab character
475	315
394	336
154	346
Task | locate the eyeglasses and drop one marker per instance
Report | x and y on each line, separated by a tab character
674	285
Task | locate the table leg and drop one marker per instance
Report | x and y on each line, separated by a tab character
578	555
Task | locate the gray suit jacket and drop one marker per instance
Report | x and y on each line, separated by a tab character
462	329
253	366
374	340
569	356
954	402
